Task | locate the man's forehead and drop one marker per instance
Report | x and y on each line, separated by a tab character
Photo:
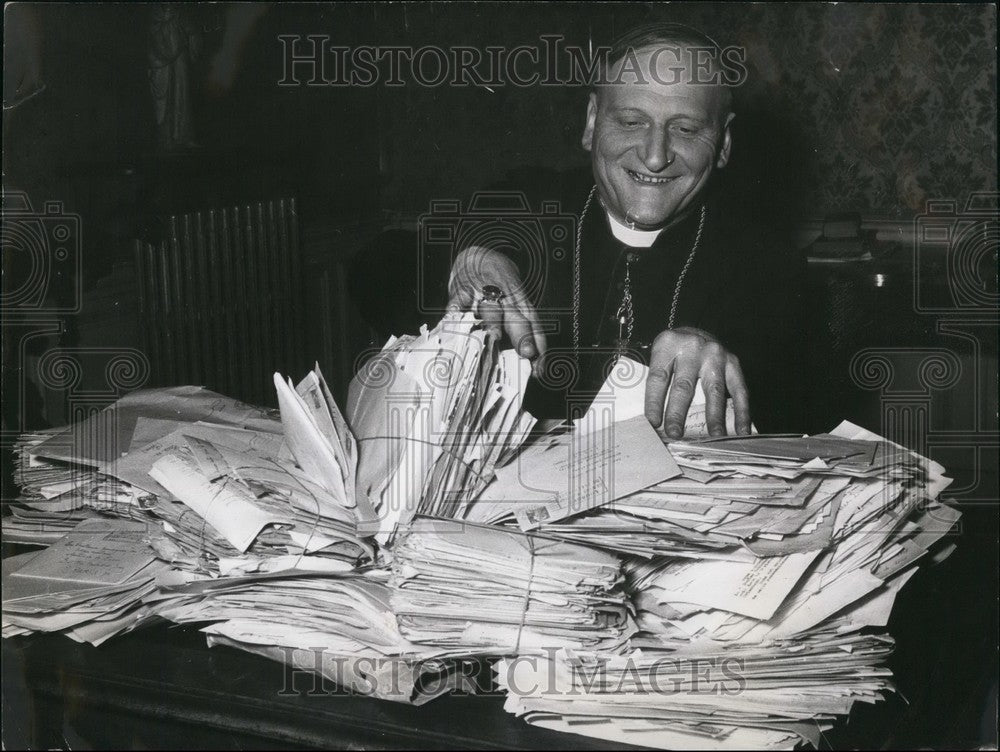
666	64
665	71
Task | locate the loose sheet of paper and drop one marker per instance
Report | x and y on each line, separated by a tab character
578	472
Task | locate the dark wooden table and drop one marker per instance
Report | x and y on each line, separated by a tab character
163	688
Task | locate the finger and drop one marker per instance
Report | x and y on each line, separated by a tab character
461	299
519	331
538	335
541	344
737	387
714	387
679	401
491	313
540	347
657	383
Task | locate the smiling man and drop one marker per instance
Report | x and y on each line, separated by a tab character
657	128
656	133
665	266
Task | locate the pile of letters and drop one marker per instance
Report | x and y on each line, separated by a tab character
710	592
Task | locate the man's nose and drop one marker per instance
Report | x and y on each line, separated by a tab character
656	151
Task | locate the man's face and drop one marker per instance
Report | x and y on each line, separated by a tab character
654	142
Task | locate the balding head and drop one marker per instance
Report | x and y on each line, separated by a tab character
678	53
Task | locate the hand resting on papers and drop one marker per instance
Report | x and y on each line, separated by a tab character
682	356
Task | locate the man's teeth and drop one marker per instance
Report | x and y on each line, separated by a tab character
646	179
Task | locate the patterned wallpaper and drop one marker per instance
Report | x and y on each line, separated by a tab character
852	106
898	102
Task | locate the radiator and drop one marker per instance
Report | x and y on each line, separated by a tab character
220	299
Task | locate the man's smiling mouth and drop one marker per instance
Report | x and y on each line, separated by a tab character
638	177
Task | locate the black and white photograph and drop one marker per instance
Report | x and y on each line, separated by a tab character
500	375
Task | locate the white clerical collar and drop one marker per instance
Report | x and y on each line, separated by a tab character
630	237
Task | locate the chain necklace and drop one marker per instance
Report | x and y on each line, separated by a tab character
625	314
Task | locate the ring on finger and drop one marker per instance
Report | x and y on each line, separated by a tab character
492	293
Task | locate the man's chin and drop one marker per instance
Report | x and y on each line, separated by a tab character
646	214
651	220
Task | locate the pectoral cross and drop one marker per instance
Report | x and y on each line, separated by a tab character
625	313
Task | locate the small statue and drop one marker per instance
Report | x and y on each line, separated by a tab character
173	47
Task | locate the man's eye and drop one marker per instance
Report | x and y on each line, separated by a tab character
685	130
630	123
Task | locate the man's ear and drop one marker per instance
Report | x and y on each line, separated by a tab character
588	129
727	142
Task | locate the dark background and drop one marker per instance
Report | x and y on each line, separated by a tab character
865	108
871	108
868	108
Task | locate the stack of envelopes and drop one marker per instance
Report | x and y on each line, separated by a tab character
434	415
89	585
71	473
337	625
481	589
217	478
754	653
245	506
701	497
687	517
776	551
56	494
748	503
751	563
706	698
877	529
